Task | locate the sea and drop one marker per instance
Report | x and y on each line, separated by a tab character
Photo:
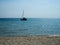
33	26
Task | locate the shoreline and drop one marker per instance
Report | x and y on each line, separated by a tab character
30	35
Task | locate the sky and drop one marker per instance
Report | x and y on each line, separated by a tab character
32	8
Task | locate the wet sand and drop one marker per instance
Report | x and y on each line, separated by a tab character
30	40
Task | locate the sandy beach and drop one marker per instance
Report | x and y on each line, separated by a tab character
30	40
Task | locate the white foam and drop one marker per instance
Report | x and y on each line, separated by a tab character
53	35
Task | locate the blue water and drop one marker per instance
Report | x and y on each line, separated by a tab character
33	26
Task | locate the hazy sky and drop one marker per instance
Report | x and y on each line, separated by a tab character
32	8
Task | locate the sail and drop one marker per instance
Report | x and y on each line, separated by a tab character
23	14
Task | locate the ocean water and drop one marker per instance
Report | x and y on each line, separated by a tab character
33	26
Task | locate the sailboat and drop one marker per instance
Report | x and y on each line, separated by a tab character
23	18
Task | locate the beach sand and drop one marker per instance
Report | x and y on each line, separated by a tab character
30	40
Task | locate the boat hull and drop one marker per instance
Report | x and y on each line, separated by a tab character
23	19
